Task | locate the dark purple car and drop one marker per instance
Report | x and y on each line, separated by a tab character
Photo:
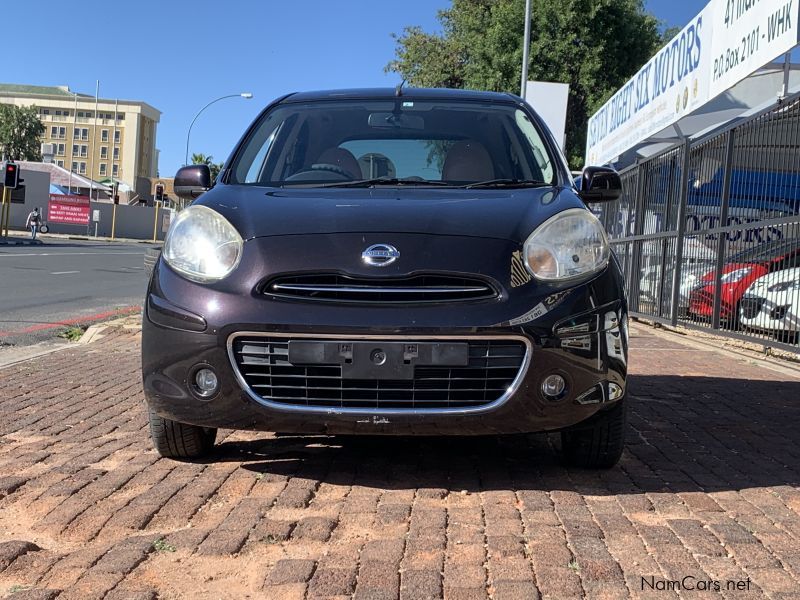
413	262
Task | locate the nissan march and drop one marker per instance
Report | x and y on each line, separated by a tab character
407	262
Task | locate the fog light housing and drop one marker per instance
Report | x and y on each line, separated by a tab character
206	382
615	391
554	387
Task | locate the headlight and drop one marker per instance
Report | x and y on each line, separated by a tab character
736	275
201	245
568	245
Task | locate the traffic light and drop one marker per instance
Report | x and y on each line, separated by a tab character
160	192
11	176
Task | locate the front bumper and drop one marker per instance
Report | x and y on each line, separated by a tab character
580	335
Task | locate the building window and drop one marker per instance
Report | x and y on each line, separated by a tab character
66	113
75	149
103	151
61	150
74	166
62	133
82	169
76	134
54	132
60	163
104	135
102	168
116	153
45	111
84	134
58	113
120	116
116	137
84	150
115	170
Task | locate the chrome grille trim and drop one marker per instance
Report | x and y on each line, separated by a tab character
363	289
424	288
368	411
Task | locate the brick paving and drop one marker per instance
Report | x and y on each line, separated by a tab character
707	489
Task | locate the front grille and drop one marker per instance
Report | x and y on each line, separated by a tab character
493	365
750	307
416	289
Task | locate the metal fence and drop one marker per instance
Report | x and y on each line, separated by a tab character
708	231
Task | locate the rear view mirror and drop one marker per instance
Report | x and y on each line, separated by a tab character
191	181
396	120
600	184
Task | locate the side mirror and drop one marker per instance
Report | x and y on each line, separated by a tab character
600	184
191	181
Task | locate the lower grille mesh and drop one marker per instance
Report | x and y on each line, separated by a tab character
492	367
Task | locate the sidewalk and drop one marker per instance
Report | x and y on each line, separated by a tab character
707	491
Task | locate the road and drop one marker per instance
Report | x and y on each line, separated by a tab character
43	287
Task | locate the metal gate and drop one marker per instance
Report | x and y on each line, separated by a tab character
708	231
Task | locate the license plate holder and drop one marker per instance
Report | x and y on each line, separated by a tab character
378	359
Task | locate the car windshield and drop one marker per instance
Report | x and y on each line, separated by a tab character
362	143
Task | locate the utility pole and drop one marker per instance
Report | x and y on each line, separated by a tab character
526	44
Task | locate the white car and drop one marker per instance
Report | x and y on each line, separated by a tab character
772	303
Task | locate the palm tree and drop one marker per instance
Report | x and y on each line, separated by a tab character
207	159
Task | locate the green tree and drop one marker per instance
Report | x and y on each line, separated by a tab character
207	159
593	45
20	132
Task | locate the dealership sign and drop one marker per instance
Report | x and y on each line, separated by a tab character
725	43
73	210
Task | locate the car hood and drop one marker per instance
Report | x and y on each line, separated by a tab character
790	278
505	214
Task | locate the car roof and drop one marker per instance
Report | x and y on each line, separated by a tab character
410	93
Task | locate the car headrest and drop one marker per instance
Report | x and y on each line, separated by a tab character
341	158
467	161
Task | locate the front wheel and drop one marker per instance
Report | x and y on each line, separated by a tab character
180	440
598	442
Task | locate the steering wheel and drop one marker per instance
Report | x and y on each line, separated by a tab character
316	172
332	168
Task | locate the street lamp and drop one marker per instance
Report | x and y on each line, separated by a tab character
526	46
246	95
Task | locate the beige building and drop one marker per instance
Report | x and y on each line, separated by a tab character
114	142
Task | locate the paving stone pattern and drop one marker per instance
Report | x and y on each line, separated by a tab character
707	491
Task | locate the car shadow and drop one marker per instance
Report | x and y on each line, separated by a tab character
686	434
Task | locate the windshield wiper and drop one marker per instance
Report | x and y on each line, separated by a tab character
385	181
505	183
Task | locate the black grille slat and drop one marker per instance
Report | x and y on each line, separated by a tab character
416	289
492	367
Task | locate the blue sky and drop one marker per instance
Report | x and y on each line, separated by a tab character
177	55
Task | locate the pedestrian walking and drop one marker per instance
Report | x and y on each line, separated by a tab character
34	221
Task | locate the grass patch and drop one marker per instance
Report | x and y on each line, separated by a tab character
573	564
73	333
18	588
271	539
161	545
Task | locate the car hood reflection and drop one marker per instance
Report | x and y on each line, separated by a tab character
504	214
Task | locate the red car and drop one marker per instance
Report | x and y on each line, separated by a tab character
738	273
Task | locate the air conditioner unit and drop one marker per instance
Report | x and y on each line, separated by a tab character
48	152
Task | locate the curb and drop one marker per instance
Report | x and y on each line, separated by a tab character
785	367
20	242
89	238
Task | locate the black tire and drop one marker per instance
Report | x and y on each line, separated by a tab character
180	440
596	443
44	229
